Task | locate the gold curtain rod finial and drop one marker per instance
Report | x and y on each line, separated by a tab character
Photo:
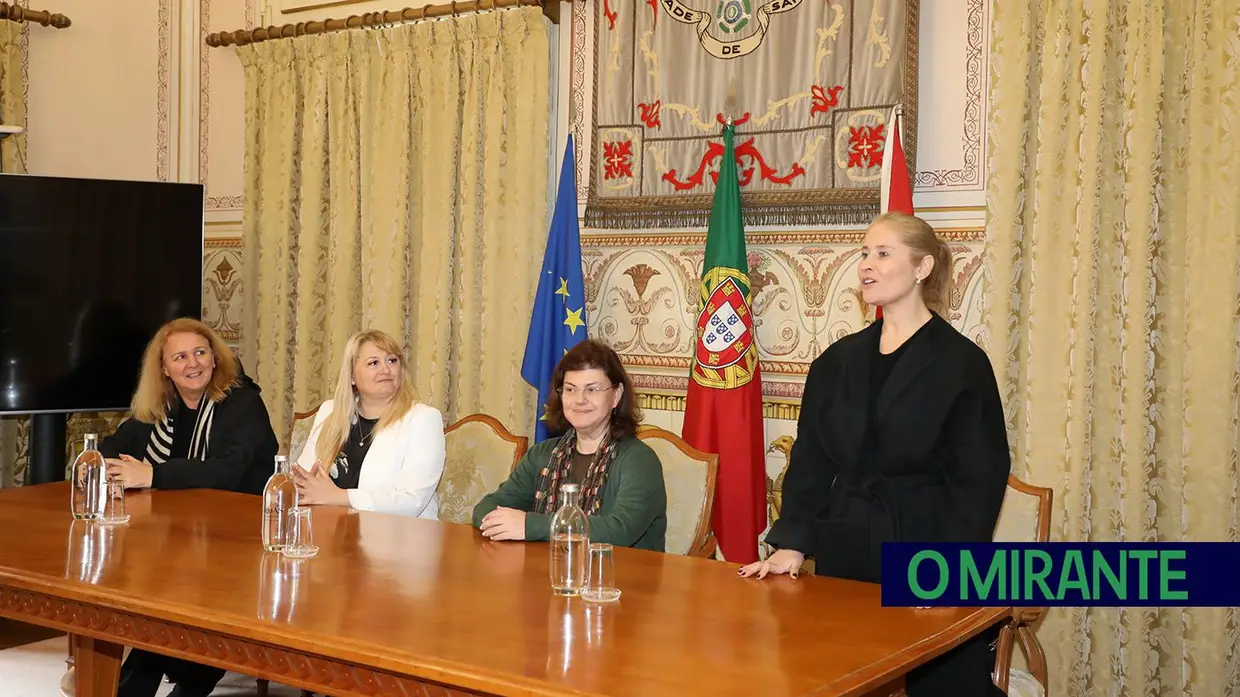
16	13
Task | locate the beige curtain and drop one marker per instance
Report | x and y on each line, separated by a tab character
12	95
397	179
13	430
1113	266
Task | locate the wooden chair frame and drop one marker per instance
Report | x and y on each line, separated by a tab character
297	416
704	542
1019	627
500	430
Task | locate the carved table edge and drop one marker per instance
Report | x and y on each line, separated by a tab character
317	673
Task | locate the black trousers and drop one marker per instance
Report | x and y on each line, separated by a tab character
143	671
964	671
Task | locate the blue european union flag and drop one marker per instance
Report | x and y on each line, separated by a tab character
559	319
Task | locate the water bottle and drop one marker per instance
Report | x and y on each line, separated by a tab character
278	497
570	543
89	481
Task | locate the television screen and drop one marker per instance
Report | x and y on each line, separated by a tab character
89	269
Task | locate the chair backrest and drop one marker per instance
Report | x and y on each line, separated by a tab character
298	432
689	476
1026	513
481	453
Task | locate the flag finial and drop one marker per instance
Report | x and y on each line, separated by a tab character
729	105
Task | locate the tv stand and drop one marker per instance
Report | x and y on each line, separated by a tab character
47	448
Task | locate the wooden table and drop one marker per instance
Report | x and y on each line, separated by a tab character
400	606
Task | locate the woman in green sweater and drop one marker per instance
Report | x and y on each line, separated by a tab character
621	478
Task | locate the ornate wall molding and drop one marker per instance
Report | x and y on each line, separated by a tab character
221	279
667	402
204	92
577	93
286	666
163	93
972	142
163	89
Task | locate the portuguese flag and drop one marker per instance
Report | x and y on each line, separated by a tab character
723	411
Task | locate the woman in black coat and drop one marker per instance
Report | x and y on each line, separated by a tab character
901	439
198	423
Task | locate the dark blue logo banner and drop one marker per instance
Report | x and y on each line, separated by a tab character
1081	574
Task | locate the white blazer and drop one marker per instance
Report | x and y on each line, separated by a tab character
402	467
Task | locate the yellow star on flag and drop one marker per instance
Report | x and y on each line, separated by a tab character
573	320
563	290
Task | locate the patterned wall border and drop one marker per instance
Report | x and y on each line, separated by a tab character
577	94
678	385
163	90
970	175
670	239
664	402
204	92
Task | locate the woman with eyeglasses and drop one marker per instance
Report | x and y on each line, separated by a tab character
621	478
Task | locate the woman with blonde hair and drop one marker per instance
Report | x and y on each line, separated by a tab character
198	422
373	446
901	438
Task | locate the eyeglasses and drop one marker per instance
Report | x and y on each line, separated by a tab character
591	391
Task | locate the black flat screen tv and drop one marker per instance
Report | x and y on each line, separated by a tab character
89	269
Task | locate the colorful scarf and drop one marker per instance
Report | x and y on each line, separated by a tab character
559	468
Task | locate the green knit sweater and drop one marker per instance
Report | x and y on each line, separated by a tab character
633	512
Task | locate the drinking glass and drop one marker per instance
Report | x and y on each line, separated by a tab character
300	535
114	505
601	582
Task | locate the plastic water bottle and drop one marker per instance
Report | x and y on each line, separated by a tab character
90	481
278	498
570	544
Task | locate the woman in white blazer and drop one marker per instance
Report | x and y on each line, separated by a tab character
373	446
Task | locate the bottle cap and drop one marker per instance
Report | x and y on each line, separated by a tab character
570	487
281	458
92	435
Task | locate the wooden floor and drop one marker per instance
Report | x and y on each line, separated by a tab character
19	634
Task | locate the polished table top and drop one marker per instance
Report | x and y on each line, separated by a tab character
440	602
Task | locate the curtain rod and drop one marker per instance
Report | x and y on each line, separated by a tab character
14	13
242	37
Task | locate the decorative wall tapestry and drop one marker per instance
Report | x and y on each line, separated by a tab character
809	84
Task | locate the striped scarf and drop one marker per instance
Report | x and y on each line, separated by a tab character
559	467
159	448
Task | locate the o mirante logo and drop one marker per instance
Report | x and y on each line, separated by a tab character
1196	574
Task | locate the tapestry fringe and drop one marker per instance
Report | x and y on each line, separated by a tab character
854	215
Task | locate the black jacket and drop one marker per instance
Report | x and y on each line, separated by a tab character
934	469
240	455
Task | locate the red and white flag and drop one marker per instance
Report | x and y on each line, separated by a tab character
897	191
897	194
